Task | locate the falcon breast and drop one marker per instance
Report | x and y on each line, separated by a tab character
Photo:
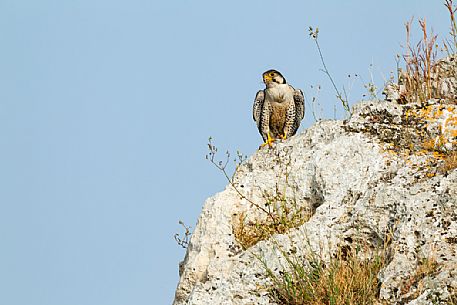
278	109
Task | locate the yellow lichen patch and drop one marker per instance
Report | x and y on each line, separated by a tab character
440	120
428	141
438	155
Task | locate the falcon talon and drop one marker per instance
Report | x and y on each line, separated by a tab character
278	109
270	145
269	141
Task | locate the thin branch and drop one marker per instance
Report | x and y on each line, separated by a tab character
222	167
314	34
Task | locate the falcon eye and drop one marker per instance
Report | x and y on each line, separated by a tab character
272	74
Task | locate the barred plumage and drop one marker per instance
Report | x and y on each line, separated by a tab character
278	109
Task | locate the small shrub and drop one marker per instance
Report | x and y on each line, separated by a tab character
280	213
183	240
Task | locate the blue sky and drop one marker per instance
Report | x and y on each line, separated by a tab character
106	108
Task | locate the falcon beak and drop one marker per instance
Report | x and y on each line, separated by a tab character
267	79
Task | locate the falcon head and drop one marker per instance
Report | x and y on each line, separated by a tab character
273	77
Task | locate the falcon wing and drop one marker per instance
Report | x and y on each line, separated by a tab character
299	100
257	108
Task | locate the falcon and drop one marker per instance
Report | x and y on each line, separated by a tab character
278	109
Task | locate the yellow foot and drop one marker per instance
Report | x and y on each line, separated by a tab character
284	137
268	142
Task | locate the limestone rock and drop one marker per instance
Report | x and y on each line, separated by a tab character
359	181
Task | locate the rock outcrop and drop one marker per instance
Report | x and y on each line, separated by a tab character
384	178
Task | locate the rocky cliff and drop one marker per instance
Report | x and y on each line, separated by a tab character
380	184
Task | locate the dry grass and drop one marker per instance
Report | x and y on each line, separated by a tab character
346	279
283	215
449	162
419	61
250	233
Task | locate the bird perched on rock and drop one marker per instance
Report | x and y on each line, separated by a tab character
278	109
